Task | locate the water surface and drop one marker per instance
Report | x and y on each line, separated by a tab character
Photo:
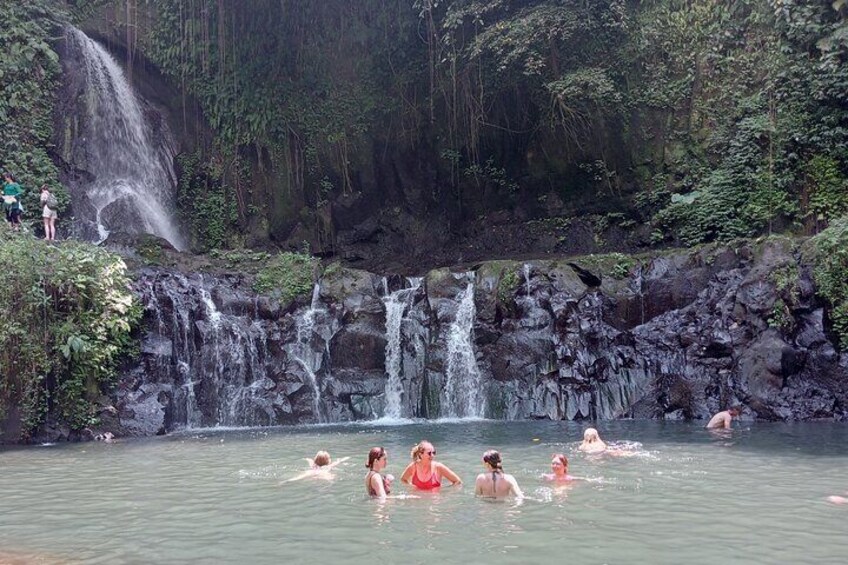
755	495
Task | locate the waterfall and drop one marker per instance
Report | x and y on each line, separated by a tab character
303	352
133	176
527	279
396	304
463	394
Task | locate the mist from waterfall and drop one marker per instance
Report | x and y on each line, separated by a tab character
134	180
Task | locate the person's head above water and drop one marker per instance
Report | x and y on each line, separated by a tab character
321	459
493	459
591	435
734	411
423	451
376	455
559	464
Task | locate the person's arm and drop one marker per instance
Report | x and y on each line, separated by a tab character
445	472
516	490
478	485
407	474
339	462
377	486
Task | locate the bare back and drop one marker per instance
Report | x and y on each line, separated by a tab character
720	420
497	485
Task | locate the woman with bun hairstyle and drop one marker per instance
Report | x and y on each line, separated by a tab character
494	483
424	473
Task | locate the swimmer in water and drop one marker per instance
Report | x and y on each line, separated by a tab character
592	442
494	483
377	484
838	499
722	419
559	466
320	467
424	473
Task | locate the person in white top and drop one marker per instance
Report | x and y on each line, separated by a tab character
49	213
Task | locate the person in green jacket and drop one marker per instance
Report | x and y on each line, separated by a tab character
12	201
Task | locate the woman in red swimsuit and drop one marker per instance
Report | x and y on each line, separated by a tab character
424	473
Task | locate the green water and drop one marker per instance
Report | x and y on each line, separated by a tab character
756	495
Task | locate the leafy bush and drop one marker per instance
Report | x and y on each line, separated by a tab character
831	266
67	316
290	274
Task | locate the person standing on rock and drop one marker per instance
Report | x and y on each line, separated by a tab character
722	419
12	200
49	213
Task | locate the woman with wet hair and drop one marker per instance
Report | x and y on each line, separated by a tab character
377	484
592	442
494	483
424	473
559	469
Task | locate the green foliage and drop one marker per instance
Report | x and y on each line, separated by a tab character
831	266
787	283
829	188
289	274
507	285
29	70
67	316
206	204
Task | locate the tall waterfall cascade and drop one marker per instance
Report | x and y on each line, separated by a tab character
396	303
463	396
133	182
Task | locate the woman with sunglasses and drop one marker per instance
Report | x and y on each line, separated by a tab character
424	473
377	484
494	483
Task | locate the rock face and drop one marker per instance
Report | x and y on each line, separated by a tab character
677	336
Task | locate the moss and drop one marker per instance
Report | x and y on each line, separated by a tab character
614	265
289	274
150	250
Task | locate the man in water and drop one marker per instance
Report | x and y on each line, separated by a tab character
723	418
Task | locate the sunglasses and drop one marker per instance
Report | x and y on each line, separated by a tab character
431	453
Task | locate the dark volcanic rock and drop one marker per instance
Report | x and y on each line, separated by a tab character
680	337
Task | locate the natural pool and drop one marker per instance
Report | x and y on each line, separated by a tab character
754	495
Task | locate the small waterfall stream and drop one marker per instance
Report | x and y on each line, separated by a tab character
463	395
305	354
134	180
396	304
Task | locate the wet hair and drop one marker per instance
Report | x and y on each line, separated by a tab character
418	449
321	458
493	458
590	435
375	454
735	409
561	458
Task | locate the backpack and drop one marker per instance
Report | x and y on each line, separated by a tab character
51	202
